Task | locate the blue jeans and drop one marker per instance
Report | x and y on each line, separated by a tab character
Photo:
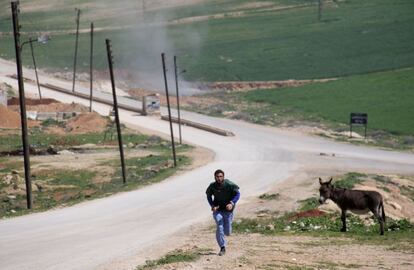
223	221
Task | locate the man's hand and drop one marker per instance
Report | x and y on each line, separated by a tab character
214	208
229	207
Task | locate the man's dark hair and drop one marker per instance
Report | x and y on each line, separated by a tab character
218	171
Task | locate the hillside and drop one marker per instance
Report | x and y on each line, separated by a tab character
226	40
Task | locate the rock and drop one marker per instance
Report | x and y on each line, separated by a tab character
7	179
39	186
51	150
130	145
270	227
65	152
16	181
11	197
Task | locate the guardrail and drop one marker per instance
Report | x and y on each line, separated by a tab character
133	109
82	95
185	122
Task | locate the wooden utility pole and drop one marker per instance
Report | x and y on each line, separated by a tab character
178	98
91	70
169	108
118	125
26	146
76	49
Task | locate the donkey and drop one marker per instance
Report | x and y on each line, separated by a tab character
357	201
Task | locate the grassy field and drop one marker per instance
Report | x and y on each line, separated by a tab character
353	37
387	97
283	40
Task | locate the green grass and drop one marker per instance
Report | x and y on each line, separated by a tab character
329	225
175	256
354	37
53	122
67	187
308	204
80	178
357	37
349	180
39	138
145	170
387	97
7	165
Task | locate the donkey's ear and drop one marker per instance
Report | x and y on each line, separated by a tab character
329	182
320	180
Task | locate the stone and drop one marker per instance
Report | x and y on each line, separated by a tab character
8	179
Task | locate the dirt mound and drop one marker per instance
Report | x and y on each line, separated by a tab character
309	213
87	122
9	118
30	101
53	107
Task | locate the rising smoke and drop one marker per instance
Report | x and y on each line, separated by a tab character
152	33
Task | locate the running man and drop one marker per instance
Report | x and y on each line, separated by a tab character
222	195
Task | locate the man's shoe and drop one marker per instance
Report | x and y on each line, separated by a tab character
222	251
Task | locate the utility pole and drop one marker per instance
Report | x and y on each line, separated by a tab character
178	97
26	152
76	48
34	64
169	109
91	70
43	39
118	125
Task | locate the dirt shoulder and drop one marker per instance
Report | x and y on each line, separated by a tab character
257	251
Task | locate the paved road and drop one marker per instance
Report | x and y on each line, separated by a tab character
91	235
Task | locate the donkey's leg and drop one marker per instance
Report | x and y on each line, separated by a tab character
376	212
343	218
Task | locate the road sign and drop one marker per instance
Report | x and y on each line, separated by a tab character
358	119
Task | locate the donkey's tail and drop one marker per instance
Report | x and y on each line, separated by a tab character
382	211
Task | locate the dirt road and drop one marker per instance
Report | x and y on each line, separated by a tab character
95	234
